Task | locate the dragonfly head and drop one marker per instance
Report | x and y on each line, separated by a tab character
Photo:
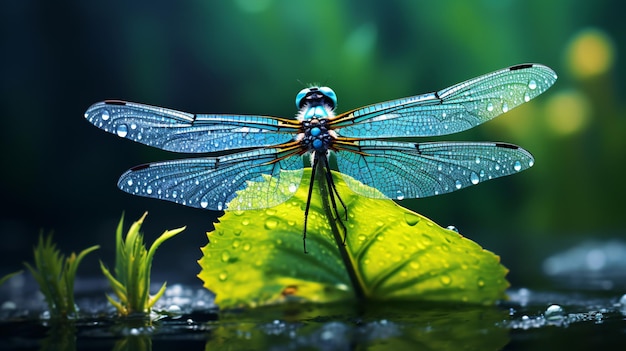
315	96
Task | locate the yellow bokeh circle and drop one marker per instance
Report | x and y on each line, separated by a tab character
590	53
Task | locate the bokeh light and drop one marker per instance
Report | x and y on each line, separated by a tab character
567	112
590	53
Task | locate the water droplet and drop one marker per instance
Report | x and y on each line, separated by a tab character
105	115
532	85
526	97
133	126
271	224
246	247
490	107
362	237
236	243
411	219
481	283
458	184
414	265
148	190
452	228
622	300
204	202
399	195
223	276
477	160
129	182
380	237
245	221
225	256
121	130
445	279
517	166
554	313
474	178
292	188
531	163
505	107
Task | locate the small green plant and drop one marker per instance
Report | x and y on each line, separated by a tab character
133	264
55	275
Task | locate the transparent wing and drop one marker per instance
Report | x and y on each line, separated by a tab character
450	110
185	132
412	170
212	182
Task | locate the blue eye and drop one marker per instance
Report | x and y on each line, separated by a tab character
301	96
330	94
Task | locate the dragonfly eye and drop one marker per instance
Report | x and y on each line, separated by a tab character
301	96
329	93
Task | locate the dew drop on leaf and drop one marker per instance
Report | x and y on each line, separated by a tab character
236	243
271	224
445	279
411	219
223	276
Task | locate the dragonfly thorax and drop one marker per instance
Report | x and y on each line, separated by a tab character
316	135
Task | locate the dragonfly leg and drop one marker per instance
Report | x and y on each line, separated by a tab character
308	203
332	193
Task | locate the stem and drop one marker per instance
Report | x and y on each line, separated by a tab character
325	194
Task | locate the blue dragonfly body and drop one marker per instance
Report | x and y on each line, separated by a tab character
359	139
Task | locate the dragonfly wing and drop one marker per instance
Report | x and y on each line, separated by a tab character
185	132
411	170
213	182
450	110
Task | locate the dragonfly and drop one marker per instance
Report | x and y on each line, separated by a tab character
271	152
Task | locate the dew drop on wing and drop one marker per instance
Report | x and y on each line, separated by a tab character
121	130
105	115
204	202
399	195
517	166
458	184
474	178
532	85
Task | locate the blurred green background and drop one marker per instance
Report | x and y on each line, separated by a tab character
245	56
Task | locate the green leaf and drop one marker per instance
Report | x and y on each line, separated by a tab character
256	257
